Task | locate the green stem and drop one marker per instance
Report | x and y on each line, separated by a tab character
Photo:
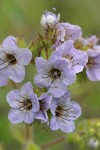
28	136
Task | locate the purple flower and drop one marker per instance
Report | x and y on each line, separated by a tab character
91	41
66	31
93	65
13	59
76	59
23	103
44	104
53	74
49	20
64	113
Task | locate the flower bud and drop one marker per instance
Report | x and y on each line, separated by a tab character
93	143
49	20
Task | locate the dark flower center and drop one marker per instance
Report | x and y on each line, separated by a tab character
68	57
42	107
63	113
11	59
55	73
91	62
7	61
59	111
27	104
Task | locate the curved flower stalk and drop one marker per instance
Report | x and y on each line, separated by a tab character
12	60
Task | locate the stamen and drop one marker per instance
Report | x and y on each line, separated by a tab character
65	118
60	112
67	109
42	107
54	74
7	61
26	104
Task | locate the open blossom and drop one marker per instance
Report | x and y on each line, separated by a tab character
23	103
66	31
53	74
12	60
49	20
44	105
76	59
90	42
93	65
64	113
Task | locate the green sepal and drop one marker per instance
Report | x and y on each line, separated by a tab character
21	43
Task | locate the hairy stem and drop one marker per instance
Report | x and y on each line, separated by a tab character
28	136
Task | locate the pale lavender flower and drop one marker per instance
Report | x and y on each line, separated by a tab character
49	20
93	65
44	104
66	31
53	74
76	59
90	42
23	103
13	59
64	113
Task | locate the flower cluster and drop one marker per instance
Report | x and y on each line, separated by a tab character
68	54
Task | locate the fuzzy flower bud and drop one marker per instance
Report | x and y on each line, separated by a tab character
93	143
49	20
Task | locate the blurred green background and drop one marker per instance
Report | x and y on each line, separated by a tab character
22	18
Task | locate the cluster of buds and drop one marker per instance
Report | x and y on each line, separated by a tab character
70	55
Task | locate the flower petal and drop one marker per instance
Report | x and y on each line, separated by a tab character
35	102
75	110
66	126
26	89
93	73
3	79
29	117
41	64
23	56
42	80
57	89
17	73
16	116
13	97
42	115
54	123
10	42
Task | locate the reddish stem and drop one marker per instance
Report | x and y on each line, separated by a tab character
53	143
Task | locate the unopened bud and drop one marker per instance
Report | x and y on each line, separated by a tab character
93	143
49	20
